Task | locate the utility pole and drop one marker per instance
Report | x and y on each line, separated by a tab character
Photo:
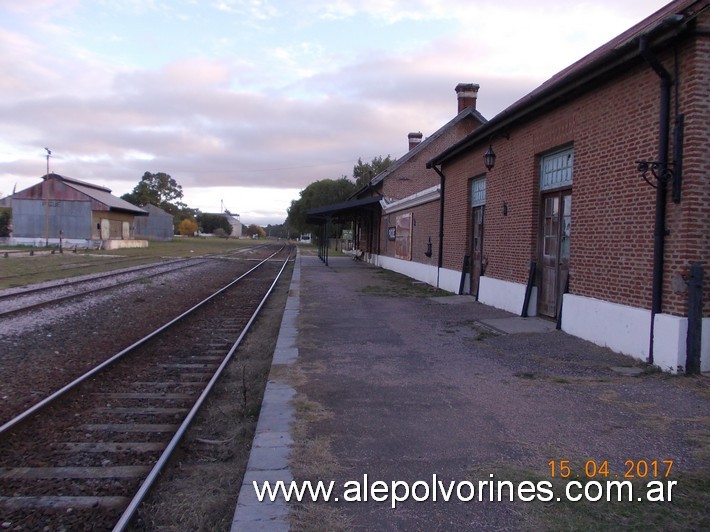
46	201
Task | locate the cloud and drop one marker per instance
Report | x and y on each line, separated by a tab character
267	96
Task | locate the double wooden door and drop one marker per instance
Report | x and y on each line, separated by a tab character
554	250
477	266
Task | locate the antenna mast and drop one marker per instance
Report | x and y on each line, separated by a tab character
46	201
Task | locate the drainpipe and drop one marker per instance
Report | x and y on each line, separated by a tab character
659	230
441	223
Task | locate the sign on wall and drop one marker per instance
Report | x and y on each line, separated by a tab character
403	242
391	233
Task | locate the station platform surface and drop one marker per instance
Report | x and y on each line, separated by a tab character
379	378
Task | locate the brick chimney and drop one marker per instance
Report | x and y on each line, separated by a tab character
467	94
414	139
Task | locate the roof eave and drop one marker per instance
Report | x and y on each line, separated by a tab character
538	99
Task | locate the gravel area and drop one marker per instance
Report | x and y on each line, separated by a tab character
42	350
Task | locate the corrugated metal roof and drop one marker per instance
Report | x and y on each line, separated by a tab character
104	196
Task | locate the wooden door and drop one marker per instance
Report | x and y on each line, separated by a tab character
105	229
476	249
554	250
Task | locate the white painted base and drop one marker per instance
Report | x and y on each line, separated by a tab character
123	244
621	328
627	330
506	295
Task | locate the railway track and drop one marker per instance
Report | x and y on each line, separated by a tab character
86	456
17	300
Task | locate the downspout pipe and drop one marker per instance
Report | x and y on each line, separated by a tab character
440	261
659	230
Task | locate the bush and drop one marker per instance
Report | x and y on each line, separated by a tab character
210	222
5	221
187	227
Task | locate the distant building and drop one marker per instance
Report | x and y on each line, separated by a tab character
158	225
66	211
233	220
235	223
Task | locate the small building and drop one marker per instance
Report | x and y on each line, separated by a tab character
233	220
158	225
63	211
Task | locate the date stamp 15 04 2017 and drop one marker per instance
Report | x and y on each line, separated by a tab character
631	469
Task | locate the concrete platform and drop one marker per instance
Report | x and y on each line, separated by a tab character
409	386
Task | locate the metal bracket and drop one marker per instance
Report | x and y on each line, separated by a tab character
662	174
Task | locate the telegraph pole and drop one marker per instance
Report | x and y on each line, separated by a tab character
46	201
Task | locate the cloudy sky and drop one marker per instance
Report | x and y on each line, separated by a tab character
246	102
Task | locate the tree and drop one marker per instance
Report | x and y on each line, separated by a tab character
187	227
5	221
254	229
317	194
158	189
364	172
209	223
277	230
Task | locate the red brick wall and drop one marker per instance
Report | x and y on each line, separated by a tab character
425	225
609	127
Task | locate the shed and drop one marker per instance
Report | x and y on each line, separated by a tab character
158	225
68	212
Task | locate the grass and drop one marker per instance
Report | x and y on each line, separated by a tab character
21	270
398	285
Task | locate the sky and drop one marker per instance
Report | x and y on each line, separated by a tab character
246	102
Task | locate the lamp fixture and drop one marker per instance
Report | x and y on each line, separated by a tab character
489	158
428	251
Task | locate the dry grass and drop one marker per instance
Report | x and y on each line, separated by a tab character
20	270
312	457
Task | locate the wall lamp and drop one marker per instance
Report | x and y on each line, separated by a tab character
489	158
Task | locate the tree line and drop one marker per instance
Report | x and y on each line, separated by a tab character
331	191
161	190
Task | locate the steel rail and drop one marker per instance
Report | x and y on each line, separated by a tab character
103	275
191	262
146	485
123	271
51	398
48	302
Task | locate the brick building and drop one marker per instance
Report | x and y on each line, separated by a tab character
573	228
564	222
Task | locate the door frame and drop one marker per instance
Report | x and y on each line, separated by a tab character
555	180
561	268
477	267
